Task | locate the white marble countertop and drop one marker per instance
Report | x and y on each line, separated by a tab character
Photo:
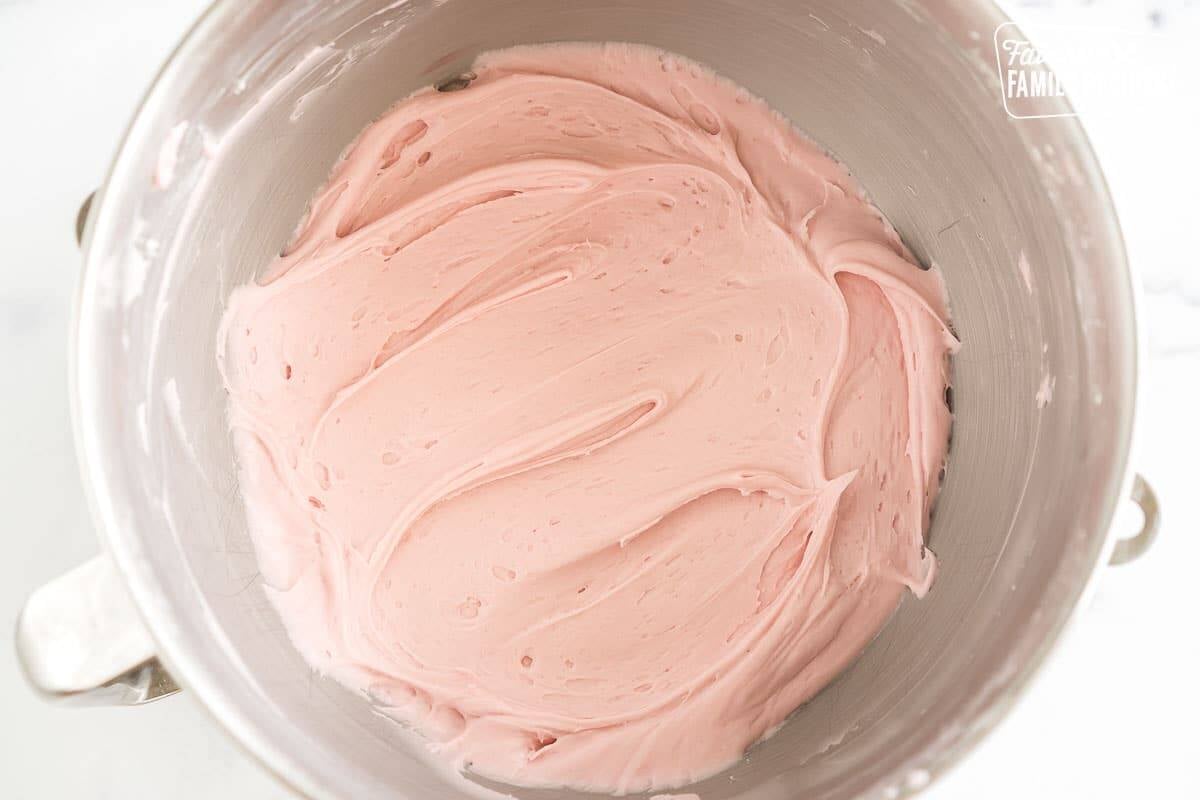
1113	715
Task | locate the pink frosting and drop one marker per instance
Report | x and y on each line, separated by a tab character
592	420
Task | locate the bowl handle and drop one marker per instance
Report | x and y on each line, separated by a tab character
1135	546
80	639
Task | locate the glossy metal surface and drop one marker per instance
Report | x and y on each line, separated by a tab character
903	92
79	639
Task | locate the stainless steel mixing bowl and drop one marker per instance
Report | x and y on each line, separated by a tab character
242	126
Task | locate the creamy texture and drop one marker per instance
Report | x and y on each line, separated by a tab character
592	420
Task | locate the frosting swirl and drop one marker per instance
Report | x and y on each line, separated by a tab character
592	420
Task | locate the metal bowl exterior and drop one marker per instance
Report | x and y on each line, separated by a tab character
149	418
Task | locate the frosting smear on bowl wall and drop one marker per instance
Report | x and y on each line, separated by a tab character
592	420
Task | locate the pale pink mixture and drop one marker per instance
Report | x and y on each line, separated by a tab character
592	421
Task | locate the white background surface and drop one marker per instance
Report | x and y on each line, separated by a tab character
1113	716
